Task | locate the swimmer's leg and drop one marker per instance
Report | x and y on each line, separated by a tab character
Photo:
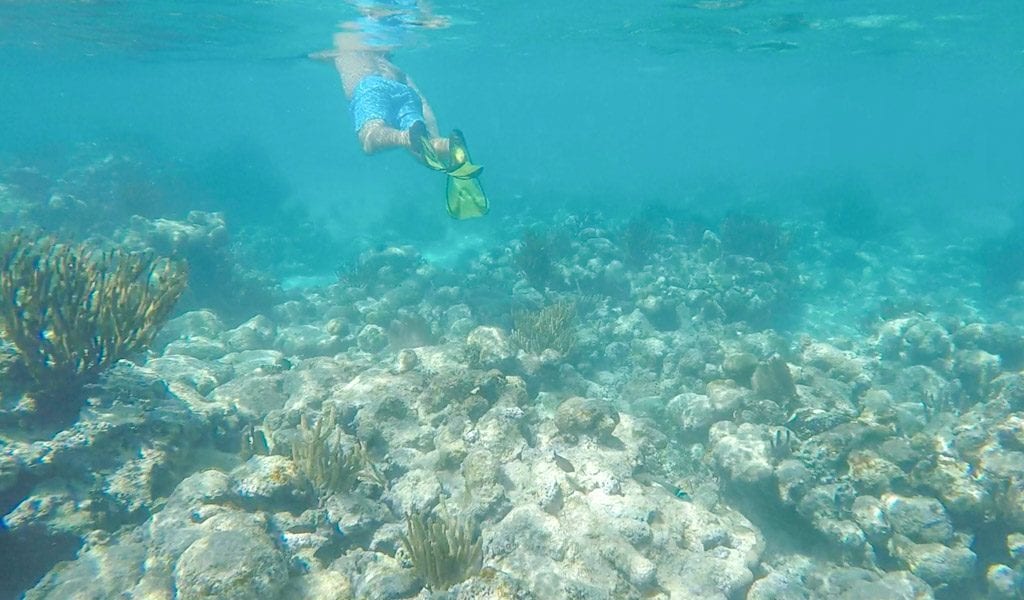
375	135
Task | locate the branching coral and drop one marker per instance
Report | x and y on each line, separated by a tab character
320	456
73	311
443	550
550	327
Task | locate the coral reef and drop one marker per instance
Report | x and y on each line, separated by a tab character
320	457
217	278
551	327
443	550
673	415
72	311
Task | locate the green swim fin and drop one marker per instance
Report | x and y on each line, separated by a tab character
461	164
421	139
458	163
462	170
466	171
466	198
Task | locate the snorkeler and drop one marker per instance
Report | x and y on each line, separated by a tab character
389	111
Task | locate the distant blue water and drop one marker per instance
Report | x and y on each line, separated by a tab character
914	106
806	134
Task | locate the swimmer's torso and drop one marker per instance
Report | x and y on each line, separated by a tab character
356	60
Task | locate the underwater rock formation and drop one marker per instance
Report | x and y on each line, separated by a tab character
686	444
218	280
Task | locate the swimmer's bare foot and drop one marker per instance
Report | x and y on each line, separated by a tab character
441	146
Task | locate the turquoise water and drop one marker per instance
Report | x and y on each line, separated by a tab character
789	233
703	105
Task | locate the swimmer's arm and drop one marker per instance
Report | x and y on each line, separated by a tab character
428	113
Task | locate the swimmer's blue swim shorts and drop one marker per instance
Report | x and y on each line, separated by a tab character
393	102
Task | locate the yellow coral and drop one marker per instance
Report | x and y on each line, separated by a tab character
72	311
550	327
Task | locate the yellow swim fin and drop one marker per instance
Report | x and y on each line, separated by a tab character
457	148
431	159
466	171
458	163
463	170
421	139
466	198
461	164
